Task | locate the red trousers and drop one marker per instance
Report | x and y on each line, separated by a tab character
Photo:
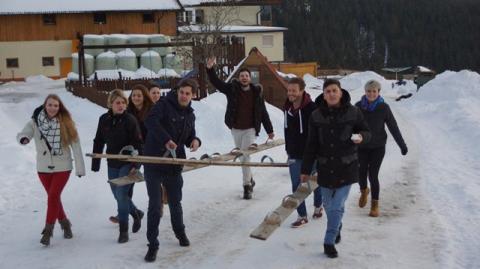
54	184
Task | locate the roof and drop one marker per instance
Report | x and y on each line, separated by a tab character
192	3
196	29
9	7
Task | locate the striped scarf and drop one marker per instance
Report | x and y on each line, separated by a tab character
50	130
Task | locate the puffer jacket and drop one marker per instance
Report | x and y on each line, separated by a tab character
329	142
46	161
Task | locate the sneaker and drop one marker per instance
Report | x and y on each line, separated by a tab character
299	222
113	219
317	213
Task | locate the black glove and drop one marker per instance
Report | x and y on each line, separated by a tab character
404	150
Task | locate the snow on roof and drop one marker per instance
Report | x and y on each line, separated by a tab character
62	6
232	29
424	69
198	2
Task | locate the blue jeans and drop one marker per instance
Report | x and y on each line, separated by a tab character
120	193
334	204
295	167
173	184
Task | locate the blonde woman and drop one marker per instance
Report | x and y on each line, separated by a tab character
117	128
56	138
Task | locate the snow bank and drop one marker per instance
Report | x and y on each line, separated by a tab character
38	78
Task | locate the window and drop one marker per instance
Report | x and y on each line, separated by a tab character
12	62
188	16
48	61
199	16
99	18
49	19
267	41
149	17
266	13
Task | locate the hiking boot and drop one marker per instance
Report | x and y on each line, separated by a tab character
247	192
330	251
137	220
299	222
151	255
67	228
317	213
362	202
123	235
182	239
339	236
374	210
47	233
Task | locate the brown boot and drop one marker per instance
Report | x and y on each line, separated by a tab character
362	202
47	233
67	228
374	211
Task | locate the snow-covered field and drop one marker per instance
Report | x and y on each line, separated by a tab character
429	201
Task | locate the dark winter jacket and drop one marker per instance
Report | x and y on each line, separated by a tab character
141	123
296	126
329	142
231	90
169	121
376	121
116	131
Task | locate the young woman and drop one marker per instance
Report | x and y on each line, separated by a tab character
139	104
377	113
56	138
117	128
154	92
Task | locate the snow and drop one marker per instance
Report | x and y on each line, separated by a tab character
38	78
150	53
430	208
424	69
59	6
232	29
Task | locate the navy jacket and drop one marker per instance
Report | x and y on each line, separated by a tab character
166	121
296	126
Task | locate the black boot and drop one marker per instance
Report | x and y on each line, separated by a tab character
339	236
46	234
247	192
151	255
330	251
182	239
252	182
123	236
137	220
67	228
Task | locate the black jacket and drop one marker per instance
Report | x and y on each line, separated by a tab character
329	142
376	121
141	124
169	121
231	90
116	131
296	126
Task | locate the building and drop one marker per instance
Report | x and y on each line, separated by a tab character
38	37
248	19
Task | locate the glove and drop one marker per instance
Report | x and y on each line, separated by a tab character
404	150
24	141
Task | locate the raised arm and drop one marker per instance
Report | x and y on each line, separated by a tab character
222	86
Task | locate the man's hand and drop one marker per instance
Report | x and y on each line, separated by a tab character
171	145
194	146
304	178
357	138
211	62
132	171
24	141
271	136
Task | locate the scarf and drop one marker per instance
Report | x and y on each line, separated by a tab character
370	106
50	130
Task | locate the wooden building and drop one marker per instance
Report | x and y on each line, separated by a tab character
38	37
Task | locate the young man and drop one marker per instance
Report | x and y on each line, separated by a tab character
298	108
335	130
245	113
171	127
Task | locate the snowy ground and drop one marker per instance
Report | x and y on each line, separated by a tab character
429	207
